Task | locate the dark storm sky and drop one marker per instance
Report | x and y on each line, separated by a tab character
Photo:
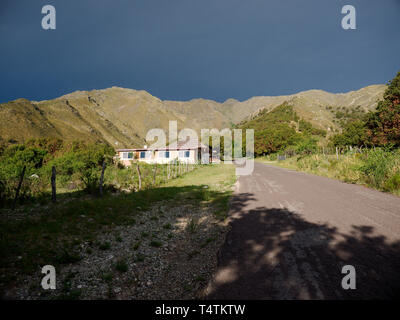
184	49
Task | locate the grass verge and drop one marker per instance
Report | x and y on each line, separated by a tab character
376	169
32	237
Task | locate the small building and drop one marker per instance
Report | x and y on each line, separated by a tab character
190	151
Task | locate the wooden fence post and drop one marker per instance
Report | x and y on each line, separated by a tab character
102	178
53	184
19	186
154	176
139	176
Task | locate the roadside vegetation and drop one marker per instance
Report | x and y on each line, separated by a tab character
152	227
115	233
78	167
366	151
376	168
120	242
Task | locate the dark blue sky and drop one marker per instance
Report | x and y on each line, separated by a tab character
183	49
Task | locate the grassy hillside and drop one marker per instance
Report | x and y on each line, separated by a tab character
281	128
121	117
311	104
365	152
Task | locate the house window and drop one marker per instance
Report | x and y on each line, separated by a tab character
184	154
163	154
143	155
127	155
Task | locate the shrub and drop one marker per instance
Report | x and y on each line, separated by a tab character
393	183
156	243
192	225
377	164
105	246
78	166
167	226
306	146
273	156
121	265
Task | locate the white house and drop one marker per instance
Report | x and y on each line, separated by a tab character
190	151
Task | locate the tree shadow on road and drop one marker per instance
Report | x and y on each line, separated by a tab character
274	253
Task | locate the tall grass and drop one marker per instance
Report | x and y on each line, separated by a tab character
381	169
377	168
127	178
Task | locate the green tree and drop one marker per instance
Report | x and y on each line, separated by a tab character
306	145
354	134
275	130
383	125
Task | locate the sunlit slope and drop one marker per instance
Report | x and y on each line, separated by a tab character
122	117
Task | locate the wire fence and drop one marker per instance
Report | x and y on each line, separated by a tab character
324	151
111	177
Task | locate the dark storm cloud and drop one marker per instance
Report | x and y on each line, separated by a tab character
183	49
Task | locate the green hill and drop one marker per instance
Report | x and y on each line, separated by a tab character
280	128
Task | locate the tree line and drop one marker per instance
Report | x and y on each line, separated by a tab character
281	129
39	169
379	128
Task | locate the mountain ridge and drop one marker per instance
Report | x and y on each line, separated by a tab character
122	116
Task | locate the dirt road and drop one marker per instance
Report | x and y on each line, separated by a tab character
293	232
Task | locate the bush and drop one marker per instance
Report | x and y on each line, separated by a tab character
393	183
78	166
376	166
273	156
121	265
306	146
73	161
275	130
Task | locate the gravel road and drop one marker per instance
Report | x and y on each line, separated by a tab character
292	232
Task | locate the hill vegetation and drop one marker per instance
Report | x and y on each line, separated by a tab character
367	150
166	223
121	117
284	129
380	127
280	129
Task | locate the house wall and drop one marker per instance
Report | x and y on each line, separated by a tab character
126	162
155	158
174	155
